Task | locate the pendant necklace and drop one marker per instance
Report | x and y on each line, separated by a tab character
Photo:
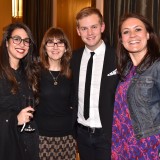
55	78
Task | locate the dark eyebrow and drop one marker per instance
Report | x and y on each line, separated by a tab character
19	37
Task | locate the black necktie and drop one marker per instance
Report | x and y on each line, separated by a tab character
87	87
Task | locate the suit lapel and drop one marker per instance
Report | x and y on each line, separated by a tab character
108	66
77	67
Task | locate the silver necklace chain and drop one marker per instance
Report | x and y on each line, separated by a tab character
55	78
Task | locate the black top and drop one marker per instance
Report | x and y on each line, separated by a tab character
54	112
15	145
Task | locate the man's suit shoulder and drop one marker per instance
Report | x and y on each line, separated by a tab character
110	49
79	50
110	53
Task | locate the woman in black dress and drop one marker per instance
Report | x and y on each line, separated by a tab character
18	80
54	112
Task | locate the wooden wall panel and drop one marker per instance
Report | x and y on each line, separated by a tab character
6	15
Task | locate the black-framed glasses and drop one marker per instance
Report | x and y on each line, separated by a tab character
50	43
18	40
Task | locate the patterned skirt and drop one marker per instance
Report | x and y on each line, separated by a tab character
57	148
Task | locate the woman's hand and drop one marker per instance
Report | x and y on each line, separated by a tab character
25	115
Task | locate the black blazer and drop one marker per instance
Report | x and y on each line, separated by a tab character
107	88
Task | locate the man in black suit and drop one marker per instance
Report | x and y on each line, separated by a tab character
93	132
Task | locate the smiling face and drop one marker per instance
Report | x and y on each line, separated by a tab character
17	51
134	37
90	30
55	50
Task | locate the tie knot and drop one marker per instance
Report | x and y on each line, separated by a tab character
92	54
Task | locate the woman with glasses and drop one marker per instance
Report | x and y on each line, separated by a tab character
18	80
54	112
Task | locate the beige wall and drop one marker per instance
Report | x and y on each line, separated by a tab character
64	13
99	5
5	14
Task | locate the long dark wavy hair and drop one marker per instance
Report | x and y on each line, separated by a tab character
28	63
59	34
153	48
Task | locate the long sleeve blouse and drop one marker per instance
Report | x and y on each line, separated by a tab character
15	145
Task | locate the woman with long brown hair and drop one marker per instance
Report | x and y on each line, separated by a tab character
136	124
54	112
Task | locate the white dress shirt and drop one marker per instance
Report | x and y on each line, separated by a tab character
98	59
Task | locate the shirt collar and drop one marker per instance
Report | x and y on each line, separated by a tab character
99	50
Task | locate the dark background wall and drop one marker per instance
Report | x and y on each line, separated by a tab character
114	9
38	15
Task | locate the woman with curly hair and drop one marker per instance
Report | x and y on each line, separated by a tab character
18	80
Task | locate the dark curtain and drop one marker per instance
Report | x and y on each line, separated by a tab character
114	9
37	14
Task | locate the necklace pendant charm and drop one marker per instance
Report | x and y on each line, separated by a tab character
55	83
55	78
